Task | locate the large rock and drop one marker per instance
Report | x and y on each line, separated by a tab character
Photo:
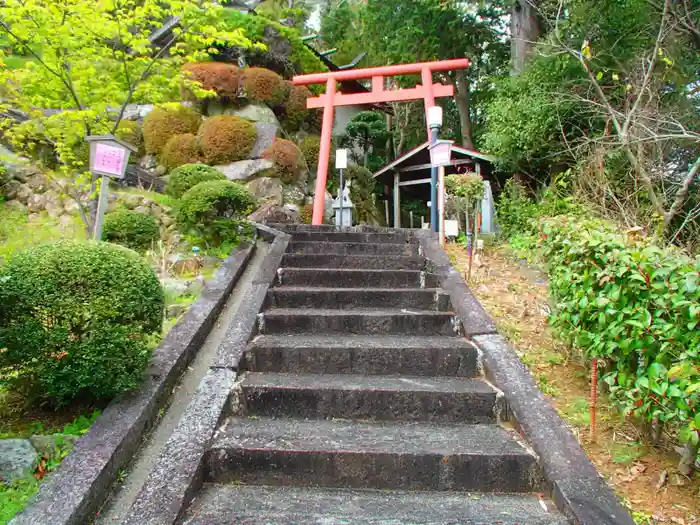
130	200
274	213
257	113
148	162
38	183
266	134
15	206
267	190
294	194
53	446
328	213
245	169
36	203
11	188
18	459
24	194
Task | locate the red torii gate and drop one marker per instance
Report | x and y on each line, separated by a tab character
427	91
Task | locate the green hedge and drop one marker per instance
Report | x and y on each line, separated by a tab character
131	229
75	320
187	176
214	210
637	307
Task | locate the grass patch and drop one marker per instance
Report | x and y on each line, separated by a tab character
15	497
159	198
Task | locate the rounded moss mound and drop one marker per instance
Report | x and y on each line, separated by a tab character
130	131
226	139
310	147
295	111
187	176
306	214
131	229
75	320
165	122
224	79
288	160
263	85
179	150
215	210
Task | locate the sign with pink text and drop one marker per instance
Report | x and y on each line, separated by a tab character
110	160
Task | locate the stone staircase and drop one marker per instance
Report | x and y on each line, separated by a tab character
360	403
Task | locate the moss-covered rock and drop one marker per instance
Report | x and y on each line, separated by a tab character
287	158
224	79
263	85
165	122
225	139
180	150
295	110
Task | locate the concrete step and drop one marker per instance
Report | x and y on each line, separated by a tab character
369	262
307	297
255	505
364	321
353	248
369	355
411	456
395	237
332	278
380	398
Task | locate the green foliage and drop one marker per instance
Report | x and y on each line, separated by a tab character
466	186
310	147
180	150
288	159
75	317
215	210
131	229
367	131
13	498
256	28
515	209
263	85
165	122
130	131
361	194
81	424
635	306
226	138
187	176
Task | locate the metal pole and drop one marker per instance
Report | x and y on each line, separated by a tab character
341	196
434	132
101	208
441	201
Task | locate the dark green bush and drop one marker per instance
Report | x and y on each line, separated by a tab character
635	306
214	210
75	319
361	189
187	176
131	229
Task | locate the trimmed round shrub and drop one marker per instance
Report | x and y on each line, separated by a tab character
295	110
165	122
215	210
179	150
76	321
287	158
131	229
263	85
226	139
220	77
187	176
130	131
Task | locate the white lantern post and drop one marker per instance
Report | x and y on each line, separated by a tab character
109	157
441	156
341	162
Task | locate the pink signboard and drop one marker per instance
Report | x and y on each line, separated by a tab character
109	160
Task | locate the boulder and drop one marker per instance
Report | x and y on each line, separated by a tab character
24	194
66	223
15	206
256	113
36	203
11	188
294	194
38	183
173	311
294	208
267	190
130	200
245	169
148	162
174	287
52	447
18	459
70	206
156	211
167	220
328	213
274	213
266	134
143	209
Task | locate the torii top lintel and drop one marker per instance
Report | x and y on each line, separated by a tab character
427	91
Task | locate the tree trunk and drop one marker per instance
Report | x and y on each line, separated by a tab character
525	30
462	97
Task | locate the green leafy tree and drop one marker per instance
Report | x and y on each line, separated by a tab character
90	59
367	131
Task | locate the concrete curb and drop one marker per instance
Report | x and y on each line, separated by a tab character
73	493
177	474
576	488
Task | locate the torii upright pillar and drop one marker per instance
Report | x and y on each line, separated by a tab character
426	91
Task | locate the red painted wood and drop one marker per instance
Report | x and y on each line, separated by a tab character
324	153
351	99
384	71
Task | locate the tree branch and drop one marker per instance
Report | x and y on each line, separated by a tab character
681	194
